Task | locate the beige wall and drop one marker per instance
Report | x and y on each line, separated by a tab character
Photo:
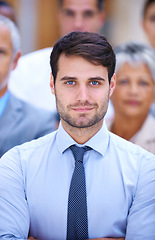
48	32
37	21
125	21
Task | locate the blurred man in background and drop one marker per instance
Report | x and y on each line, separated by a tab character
19	121
30	80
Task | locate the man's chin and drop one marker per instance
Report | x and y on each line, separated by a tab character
82	121
82	124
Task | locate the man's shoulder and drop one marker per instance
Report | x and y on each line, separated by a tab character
30	115
28	154
27	108
39	143
36	55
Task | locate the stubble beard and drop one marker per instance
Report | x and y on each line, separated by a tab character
81	122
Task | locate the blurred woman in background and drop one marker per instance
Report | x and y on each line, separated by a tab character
134	94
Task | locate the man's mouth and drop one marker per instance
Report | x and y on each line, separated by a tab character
82	108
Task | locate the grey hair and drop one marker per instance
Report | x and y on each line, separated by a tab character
134	53
15	36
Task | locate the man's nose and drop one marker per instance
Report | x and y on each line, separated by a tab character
79	23
82	94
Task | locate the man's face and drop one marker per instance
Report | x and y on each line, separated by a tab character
82	92
6	56
134	90
149	24
80	15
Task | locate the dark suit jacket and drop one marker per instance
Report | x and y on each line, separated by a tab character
21	122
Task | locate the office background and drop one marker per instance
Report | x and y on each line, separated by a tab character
37	20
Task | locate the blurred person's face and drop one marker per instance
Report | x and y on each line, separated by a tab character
80	15
134	90
7	61
149	24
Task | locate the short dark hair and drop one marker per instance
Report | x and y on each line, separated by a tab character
146	5
93	47
100	4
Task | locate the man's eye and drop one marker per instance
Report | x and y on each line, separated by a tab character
70	82
2	51
152	18
89	14
69	13
94	83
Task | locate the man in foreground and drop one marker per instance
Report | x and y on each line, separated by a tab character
81	181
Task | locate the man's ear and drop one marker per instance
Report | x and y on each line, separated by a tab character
15	60
52	84
112	84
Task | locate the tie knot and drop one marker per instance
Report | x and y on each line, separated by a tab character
78	152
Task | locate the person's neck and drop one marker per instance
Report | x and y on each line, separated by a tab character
3	91
126	127
82	135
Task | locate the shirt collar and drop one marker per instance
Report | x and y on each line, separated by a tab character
99	142
3	102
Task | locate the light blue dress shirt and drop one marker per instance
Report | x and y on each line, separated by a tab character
35	179
3	102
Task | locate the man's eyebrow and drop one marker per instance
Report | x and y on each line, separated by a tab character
68	10
67	78
96	78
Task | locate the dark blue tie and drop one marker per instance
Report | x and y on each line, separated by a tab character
77	222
